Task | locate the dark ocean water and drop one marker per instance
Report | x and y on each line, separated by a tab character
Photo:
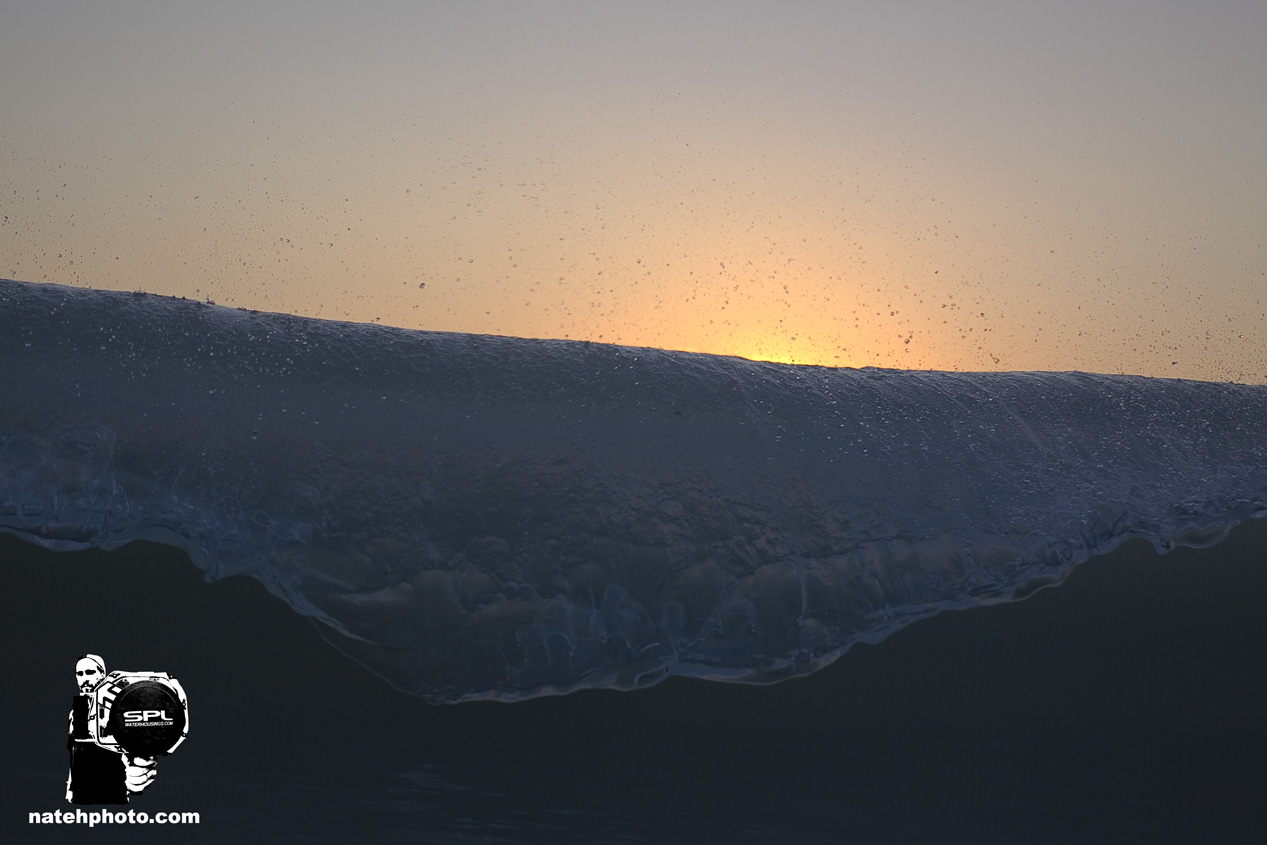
1125	705
495	519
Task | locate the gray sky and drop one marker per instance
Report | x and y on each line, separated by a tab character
937	185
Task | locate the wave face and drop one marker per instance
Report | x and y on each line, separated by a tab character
492	518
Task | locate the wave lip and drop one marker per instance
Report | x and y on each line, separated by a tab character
484	517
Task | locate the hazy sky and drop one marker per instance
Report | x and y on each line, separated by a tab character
949	185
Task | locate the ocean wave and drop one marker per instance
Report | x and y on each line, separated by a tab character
483	517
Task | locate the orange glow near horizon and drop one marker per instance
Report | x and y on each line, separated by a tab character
666	189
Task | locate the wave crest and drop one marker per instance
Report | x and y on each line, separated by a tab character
481	517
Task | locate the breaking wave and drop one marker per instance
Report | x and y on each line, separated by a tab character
483	517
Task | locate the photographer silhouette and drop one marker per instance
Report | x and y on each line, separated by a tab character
99	774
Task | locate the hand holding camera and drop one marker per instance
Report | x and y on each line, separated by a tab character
139	772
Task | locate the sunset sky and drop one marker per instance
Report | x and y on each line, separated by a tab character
968	185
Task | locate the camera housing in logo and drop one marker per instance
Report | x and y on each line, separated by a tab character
145	714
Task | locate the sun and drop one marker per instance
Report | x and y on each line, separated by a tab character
789	353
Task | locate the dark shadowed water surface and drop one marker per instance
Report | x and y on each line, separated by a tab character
1124	705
